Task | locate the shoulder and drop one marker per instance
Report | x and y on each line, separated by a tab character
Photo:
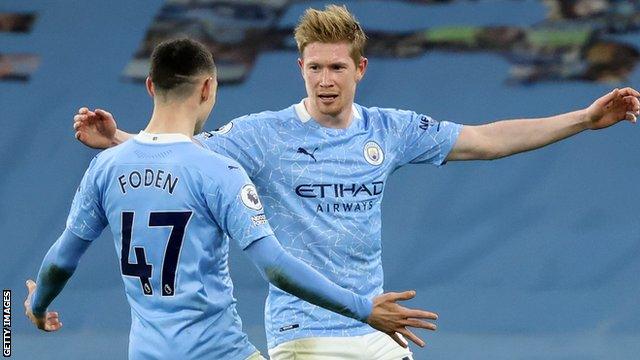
205	158
116	151
387	113
215	166
107	156
387	117
255	122
268	117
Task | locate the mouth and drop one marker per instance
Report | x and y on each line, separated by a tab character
327	98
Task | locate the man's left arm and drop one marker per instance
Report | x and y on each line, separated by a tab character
85	222
56	269
503	138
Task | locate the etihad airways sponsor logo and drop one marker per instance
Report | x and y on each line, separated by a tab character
339	190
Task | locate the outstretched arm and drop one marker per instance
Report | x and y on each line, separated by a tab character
57	267
508	137
297	278
98	129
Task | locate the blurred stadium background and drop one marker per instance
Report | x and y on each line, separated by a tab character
531	257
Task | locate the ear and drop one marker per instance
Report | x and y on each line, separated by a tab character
362	68
301	66
150	90
208	89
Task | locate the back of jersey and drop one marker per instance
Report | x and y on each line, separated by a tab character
169	203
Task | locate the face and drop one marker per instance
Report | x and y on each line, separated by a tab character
330	77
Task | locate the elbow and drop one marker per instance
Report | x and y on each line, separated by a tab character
495	155
486	148
489	153
488	144
493	150
276	277
57	275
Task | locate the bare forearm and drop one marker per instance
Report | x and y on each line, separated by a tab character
507	137
515	136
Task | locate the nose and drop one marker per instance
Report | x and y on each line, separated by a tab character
325	78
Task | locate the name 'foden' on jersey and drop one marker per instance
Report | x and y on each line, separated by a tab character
148	178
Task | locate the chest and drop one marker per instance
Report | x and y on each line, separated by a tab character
321	166
316	153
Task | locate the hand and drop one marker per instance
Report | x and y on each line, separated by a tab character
392	318
618	105
47	322
96	129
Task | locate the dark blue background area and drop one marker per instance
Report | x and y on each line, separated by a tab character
535	256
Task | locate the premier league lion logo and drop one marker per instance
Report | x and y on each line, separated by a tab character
253	197
249	196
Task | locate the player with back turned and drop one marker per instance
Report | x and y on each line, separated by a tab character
169	202
323	165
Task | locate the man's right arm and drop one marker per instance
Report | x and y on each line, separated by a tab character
299	279
236	207
98	129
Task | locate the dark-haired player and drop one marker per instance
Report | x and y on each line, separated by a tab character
168	202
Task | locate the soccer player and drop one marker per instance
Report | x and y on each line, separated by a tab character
168	202
323	164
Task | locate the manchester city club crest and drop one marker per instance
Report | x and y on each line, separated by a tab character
225	129
373	153
250	198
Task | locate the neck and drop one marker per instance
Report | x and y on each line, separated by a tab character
172	118
342	120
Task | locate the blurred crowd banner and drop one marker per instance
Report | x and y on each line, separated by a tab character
576	40
16	22
17	67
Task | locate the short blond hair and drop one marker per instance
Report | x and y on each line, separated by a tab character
332	25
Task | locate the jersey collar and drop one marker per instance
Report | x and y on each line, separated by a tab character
149	138
304	116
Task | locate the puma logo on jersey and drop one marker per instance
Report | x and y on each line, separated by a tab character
231	167
304	151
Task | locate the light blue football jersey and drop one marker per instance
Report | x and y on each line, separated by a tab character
169	203
322	189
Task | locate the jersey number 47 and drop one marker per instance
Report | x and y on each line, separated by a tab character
178	221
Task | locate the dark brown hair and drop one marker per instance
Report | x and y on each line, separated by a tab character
176	64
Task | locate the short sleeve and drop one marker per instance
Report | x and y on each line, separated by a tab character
234	202
236	140
87	218
423	140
